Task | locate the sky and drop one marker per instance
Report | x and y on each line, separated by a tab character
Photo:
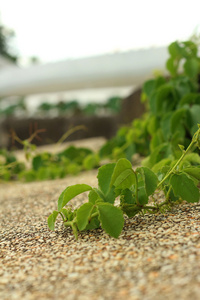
62	29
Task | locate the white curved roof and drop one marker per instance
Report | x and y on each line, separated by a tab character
119	69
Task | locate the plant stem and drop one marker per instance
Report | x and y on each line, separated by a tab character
68	223
150	207
69	132
94	215
62	216
163	203
75	230
180	159
168	193
125	146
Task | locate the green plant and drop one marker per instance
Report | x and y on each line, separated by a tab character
185	55
65	108
13	109
114	104
45	165
135	188
9	166
50	166
173	110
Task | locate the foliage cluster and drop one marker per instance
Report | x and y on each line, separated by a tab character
62	108
135	188
47	165
173	111
162	135
112	105
18	107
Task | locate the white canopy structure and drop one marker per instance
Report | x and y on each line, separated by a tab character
118	69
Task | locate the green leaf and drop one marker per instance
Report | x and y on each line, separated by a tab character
91	161
165	125
109	197
125	180
184	187
182	148
93	224
130	150
153	102
183	86
195	115
83	214
191	48
111	219
51	219
160	152
100	195
68	213
93	196
142	195
166	98
193	159
191	67
122	165
75	155
70	192
177	119
149	87
172	66
152	124
150	179
156	140
191	98
108	147
162	163
126	196
104	178
28	175
37	162
193	172
174	49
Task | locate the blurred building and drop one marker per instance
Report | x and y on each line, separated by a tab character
125	70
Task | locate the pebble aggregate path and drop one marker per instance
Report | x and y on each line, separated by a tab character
156	257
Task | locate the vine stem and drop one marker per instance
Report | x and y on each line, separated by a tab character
62	216
68	223
94	215
150	207
185	152
69	132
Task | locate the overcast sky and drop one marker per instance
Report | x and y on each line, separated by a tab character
59	29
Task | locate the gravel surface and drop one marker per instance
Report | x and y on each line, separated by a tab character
155	257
